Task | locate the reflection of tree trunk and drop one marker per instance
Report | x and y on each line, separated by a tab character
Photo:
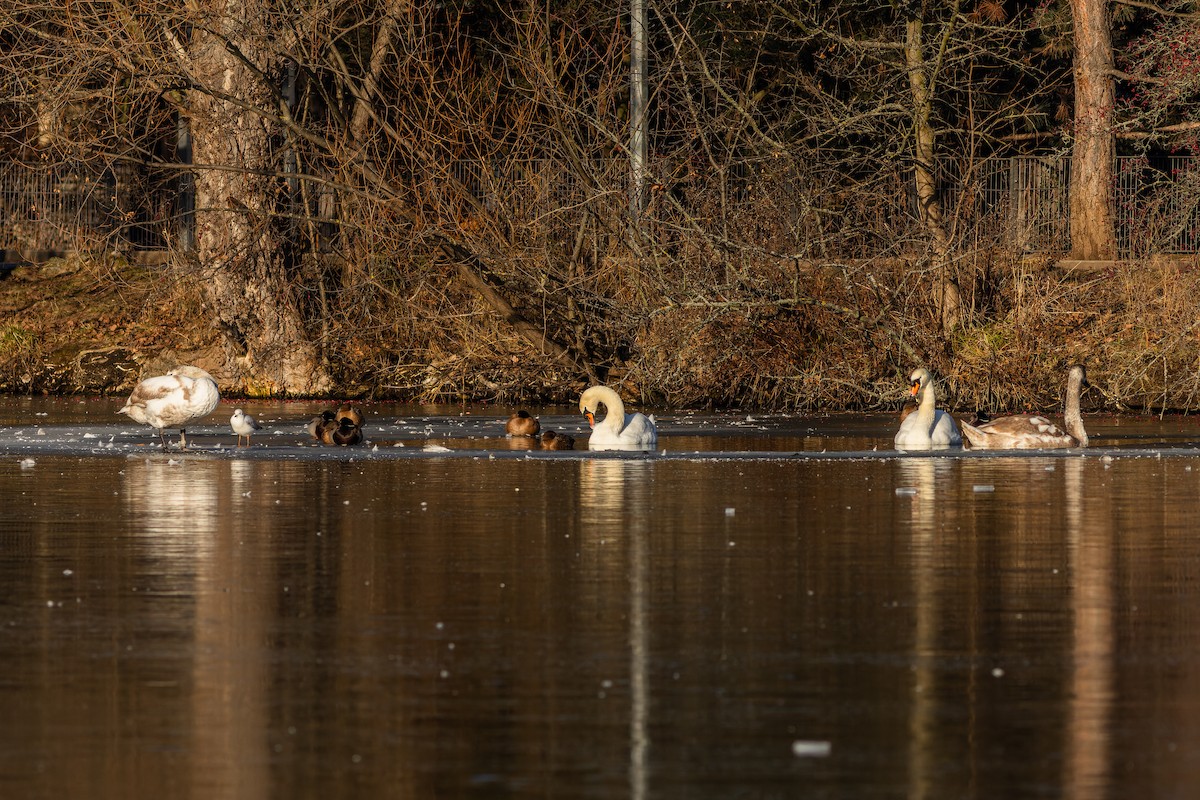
946	292
246	276
1092	234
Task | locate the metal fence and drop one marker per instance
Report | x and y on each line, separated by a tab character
68	207
1020	204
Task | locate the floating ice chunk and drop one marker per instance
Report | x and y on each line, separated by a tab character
905	491
807	748
27	463
981	488
729	512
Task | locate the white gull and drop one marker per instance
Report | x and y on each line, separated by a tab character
243	425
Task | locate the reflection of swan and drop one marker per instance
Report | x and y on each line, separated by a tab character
173	400
1025	431
522	424
618	430
928	426
614	491
615	496
181	498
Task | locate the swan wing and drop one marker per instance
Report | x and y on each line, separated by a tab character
915	436
1017	432
638	433
945	430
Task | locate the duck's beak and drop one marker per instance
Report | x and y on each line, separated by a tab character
591	418
916	388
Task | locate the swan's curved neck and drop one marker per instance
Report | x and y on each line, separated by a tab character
1072	418
927	403
614	410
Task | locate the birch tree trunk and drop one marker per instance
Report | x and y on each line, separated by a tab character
1092	160
245	261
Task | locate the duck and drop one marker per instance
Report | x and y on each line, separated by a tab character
557	441
173	400
618	430
928	427
350	412
243	425
522	424
342	434
1031	431
906	409
317	423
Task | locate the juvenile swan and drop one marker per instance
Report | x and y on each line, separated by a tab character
172	401
927	427
1028	431
618	430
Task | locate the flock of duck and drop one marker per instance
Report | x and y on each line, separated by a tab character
188	393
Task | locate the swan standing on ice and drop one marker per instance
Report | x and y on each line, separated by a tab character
618	430
243	425
172	401
1028	431
927	427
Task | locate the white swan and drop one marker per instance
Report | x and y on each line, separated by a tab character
173	400
1028	431
618	430
927	427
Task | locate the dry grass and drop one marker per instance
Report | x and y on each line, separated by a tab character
826	337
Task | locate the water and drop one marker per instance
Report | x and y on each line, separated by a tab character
768	607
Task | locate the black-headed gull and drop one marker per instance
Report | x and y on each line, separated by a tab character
243	425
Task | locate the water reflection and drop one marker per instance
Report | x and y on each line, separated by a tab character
166	496
615	499
1090	546
599	626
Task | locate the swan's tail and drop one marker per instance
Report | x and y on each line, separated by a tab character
975	437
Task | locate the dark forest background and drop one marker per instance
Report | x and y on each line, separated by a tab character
439	201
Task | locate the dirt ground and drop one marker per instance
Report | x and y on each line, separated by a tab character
74	327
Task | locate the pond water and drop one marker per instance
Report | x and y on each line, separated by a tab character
765	607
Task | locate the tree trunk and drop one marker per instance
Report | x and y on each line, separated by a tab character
947	296
1092	230
244	258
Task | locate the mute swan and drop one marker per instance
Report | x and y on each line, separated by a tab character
618	430
927	427
172	401
557	441
1027	431
243	425
521	424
